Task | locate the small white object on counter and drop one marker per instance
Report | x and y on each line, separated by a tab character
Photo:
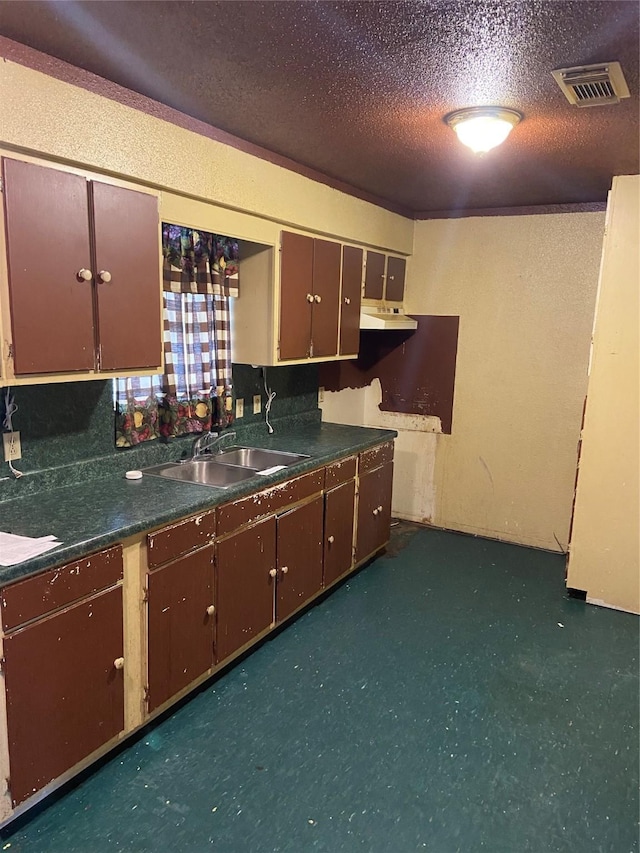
272	470
133	475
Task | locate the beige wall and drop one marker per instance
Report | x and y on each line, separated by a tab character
604	555
524	287
40	114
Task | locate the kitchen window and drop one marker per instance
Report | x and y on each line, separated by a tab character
200	277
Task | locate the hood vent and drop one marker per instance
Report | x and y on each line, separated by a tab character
593	85
379	318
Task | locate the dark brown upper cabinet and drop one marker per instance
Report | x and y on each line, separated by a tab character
350	298
384	277
309	297
374	276
394	282
84	273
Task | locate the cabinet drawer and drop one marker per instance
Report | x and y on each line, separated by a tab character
339	472
376	456
240	512
56	588
180	538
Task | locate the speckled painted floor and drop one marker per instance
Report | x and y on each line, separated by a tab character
449	697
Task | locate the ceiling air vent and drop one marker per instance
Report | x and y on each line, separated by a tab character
593	85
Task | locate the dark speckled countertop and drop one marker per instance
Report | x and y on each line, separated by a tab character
91	515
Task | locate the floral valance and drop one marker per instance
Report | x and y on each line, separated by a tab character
199	262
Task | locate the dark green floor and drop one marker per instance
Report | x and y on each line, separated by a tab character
449	697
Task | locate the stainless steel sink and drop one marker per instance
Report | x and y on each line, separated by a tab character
204	472
257	458
231	466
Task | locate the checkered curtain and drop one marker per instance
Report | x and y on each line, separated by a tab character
200	274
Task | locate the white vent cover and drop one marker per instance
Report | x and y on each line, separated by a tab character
593	85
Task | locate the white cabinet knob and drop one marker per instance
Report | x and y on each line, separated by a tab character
309	297
375	512
273	573
318	298
331	540
84	275
211	610
104	276
391	277
119	663
284	569
379	509
347	301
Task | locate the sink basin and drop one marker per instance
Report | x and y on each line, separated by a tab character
204	472
257	458
231	466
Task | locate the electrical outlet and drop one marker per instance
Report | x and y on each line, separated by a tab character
12	449
321	394
239	408
257	404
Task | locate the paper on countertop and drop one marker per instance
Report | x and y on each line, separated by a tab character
272	470
16	549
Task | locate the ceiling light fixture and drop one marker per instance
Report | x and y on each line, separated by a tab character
482	128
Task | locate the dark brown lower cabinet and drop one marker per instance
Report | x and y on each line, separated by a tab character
181	624
338	531
245	579
299	562
65	690
374	510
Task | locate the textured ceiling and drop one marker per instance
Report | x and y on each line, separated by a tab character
357	90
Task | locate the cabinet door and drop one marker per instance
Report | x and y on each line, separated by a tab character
47	229
180	624
127	250
296	295
350	300
299	557
374	276
338	531
396	268
245	580
65	697
374	510
326	295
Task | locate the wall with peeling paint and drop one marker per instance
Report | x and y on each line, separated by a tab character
414	457
524	287
604	552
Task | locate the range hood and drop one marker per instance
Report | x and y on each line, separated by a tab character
377	317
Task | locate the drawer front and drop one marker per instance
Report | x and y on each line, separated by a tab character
50	590
339	472
375	457
240	512
180	538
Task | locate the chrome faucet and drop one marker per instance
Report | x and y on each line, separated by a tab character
209	442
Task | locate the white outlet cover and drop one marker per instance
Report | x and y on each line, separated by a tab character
11	446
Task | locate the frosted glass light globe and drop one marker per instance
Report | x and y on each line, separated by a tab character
482	128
